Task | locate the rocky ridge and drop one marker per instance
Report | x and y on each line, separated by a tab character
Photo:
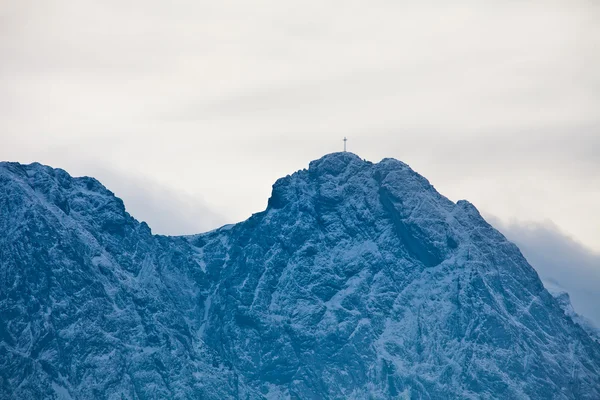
359	280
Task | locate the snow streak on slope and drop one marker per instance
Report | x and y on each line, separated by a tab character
359	280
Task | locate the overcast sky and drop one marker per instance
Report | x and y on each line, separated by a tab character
190	110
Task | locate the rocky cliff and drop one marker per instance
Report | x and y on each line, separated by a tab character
358	281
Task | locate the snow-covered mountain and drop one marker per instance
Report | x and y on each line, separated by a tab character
359	281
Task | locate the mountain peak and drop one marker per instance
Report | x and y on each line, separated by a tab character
339	177
334	162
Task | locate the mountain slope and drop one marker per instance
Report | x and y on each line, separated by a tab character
93	304
359	280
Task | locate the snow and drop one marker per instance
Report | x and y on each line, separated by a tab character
61	392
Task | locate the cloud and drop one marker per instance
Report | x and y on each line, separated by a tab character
560	261
166	211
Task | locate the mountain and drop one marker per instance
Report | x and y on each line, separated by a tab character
358	281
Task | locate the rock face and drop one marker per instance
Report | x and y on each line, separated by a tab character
359	281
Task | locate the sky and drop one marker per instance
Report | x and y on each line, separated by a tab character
190	110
